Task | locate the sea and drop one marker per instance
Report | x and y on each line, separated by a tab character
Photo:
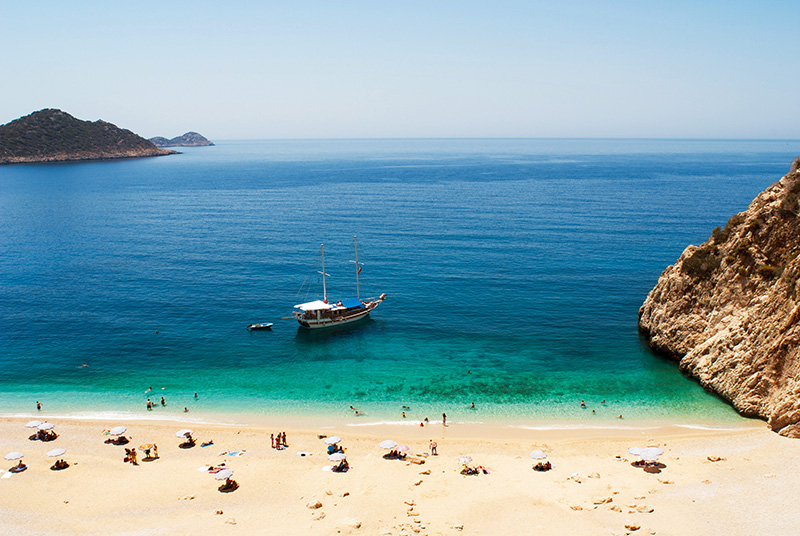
514	270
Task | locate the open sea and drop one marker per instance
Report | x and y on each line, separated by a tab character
514	271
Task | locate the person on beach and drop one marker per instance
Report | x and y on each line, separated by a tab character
283	439
149	405
472	406
38	406
163	402
404	414
195	395
155	450
433	448
426	420
583	404
272	440
444	419
185	410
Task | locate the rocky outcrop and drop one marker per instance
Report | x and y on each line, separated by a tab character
53	136
729	309
190	139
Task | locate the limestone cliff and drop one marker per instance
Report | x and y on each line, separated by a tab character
729	309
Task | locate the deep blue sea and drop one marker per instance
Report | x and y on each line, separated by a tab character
514	271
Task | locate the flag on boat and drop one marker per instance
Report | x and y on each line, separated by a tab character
360	266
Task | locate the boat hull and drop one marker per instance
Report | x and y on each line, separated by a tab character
322	320
323	323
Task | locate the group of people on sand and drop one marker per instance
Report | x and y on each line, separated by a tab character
542	466
278	441
341	467
479	470
395	455
59	465
119	440
44	435
130	456
18	468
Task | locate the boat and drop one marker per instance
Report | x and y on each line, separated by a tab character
323	314
257	327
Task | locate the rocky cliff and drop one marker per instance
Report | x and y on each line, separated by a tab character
52	135
190	139
729	309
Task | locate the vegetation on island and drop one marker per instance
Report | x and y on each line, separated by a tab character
51	135
190	139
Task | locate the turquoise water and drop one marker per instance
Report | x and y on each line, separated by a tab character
514	271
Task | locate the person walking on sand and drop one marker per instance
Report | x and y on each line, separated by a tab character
433	448
155	450
133	457
272	440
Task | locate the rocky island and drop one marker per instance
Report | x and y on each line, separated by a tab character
729	309
190	139
51	135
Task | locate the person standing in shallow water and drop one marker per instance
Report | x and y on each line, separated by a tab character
38	406
444	419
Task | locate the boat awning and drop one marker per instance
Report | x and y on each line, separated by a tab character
352	303
317	305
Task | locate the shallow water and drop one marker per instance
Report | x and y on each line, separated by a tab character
514	271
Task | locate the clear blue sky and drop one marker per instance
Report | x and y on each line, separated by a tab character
349	69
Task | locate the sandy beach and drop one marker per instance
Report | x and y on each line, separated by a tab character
592	488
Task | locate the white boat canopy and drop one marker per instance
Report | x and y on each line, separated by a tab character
317	305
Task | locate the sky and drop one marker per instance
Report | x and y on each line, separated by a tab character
412	69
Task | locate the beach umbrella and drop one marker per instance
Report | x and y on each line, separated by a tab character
14	455
337	456
183	433
46	426
651	454
388	444
117	430
332	440
223	474
33	424
636	451
403	448
537	455
146	446
56	452
464	459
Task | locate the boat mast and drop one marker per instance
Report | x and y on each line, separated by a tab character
324	289
358	268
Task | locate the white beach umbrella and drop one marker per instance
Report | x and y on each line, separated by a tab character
651	454
33	424
337	456
14	455
46	426
403	448
332	440
56	452
183	433
636	451
464	459
117	430
537	455
223	474
388	444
